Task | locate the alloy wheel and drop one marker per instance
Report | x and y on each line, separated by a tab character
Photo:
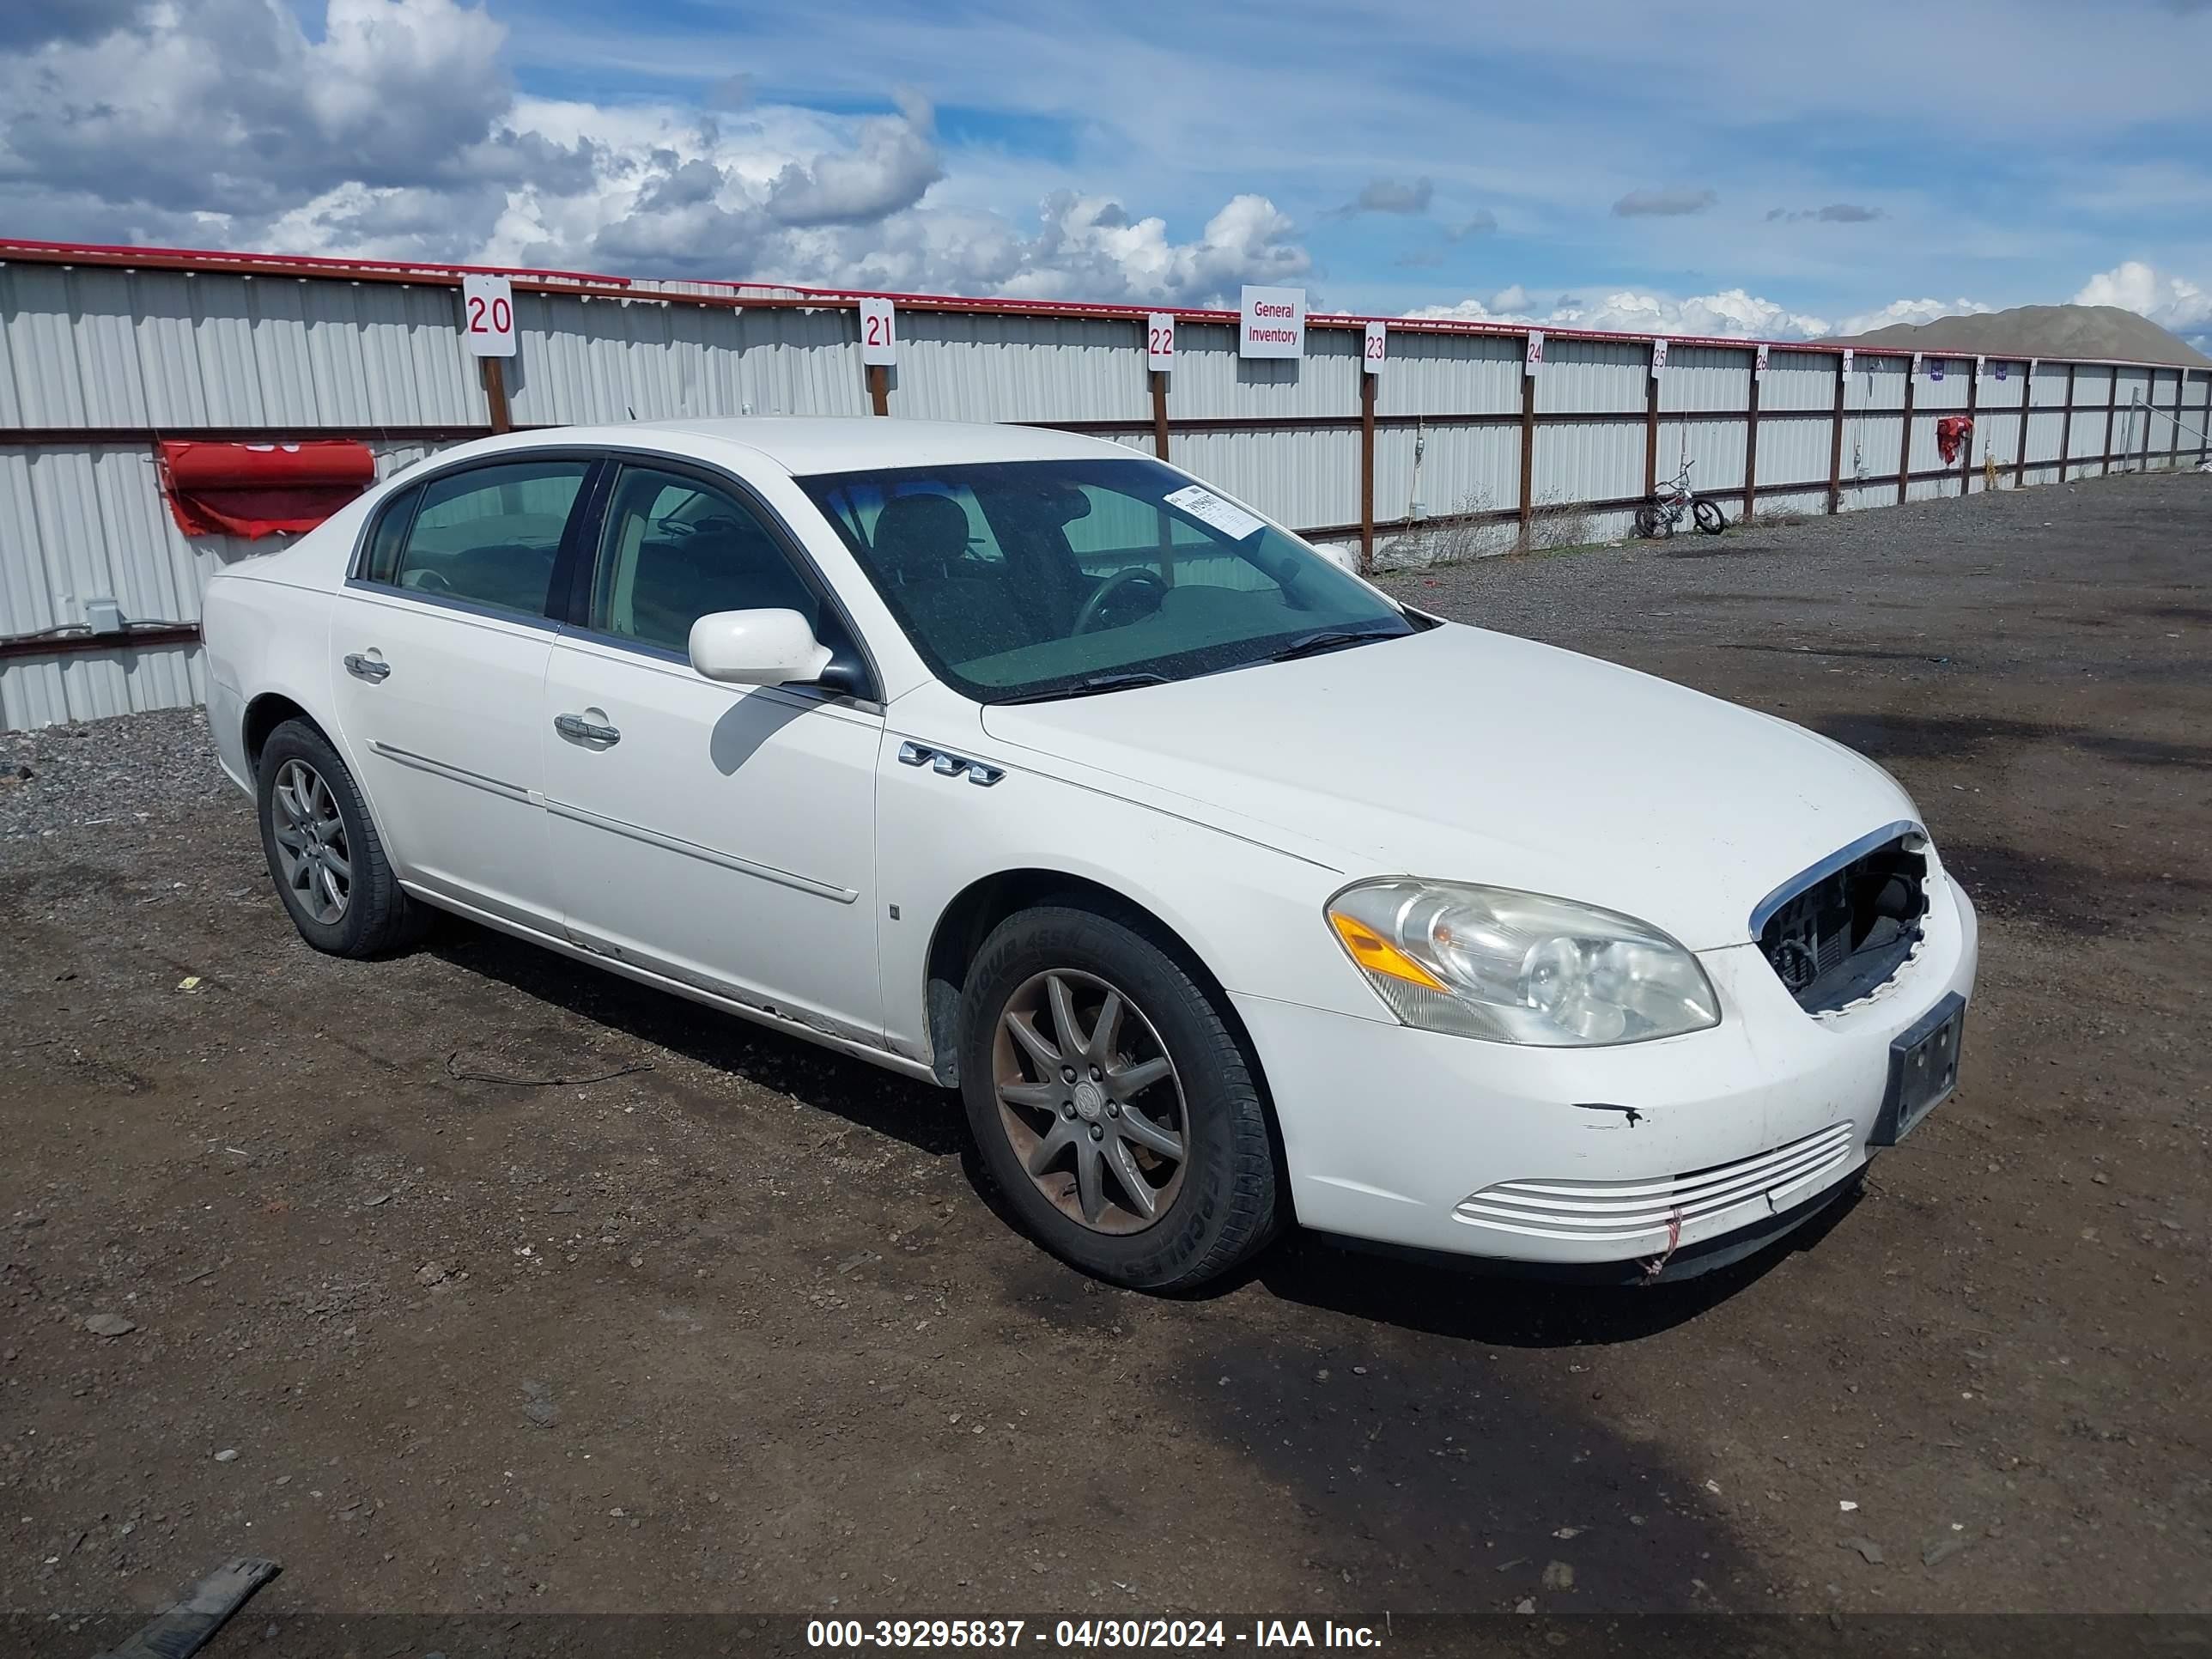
312	849
1091	1101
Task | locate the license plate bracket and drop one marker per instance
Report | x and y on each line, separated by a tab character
1923	1070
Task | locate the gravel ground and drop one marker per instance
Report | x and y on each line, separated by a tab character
107	772
736	1329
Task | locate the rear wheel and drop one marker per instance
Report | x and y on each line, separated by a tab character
1710	519
1652	522
1113	1105
323	849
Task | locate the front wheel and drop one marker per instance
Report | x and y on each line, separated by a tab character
1113	1104
1710	519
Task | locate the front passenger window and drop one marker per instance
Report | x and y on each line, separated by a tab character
676	549
489	536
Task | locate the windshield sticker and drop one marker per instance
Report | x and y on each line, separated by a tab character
1207	507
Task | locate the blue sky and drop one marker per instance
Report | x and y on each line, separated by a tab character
1728	166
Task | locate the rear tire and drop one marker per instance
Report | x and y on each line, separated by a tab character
1093	1063
1710	519
1653	524
324	852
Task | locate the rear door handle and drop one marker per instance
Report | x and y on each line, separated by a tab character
577	729
367	668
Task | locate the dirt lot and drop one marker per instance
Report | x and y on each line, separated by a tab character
733	1329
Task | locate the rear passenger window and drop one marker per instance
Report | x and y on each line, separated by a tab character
489	535
391	536
678	549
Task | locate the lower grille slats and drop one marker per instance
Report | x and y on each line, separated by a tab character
1603	1209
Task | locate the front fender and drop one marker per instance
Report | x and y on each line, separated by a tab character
1253	913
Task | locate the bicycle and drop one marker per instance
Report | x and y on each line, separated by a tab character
1656	519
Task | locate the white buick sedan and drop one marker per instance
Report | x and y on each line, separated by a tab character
1227	889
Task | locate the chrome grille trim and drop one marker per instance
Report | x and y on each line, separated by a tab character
1625	1210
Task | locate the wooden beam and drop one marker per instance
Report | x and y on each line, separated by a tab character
495	385
1528	452
879	388
2111	410
1651	435
2066	427
2026	406
1160	413
1366	470
1973	410
1751	448
1836	443
2180	387
1905	441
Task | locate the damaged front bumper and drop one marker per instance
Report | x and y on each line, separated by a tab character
1674	1151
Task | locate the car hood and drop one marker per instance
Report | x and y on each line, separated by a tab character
1462	754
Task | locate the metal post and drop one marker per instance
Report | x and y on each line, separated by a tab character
495	385
2066	427
2027	407
2173	449
879	388
1160	413
1836	443
1751	448
1366	471
2205	426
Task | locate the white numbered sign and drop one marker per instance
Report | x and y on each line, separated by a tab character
1535	358
1159	340
879	332
1847	363
1759	365
1658	357
488	316
1371	356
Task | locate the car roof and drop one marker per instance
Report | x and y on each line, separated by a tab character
803	445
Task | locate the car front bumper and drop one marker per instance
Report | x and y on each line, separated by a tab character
1585	1157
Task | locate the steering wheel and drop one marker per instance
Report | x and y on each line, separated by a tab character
1087	618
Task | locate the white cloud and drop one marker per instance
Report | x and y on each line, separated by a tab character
1731	313
396	134
2171	302
1910	311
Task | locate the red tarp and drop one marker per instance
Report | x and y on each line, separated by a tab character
1951	433
258	490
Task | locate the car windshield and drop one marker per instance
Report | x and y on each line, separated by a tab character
1032	579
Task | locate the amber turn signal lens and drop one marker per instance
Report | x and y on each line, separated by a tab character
1378	955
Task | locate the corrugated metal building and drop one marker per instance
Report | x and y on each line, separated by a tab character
105	352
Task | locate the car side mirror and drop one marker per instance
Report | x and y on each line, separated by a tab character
757	647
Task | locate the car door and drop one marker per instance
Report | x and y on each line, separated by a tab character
722	835
441	634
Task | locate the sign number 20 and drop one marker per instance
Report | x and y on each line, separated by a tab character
488	316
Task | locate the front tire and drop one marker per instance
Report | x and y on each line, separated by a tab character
1710	519
1113	1103
324	852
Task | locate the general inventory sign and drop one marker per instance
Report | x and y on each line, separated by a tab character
1273	323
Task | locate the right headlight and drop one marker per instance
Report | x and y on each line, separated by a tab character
1513	967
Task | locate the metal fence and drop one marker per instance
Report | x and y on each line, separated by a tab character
1451	448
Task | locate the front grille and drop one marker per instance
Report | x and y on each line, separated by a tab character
1848	931
1626	1212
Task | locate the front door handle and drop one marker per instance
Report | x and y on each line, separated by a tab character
577	729
367	668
